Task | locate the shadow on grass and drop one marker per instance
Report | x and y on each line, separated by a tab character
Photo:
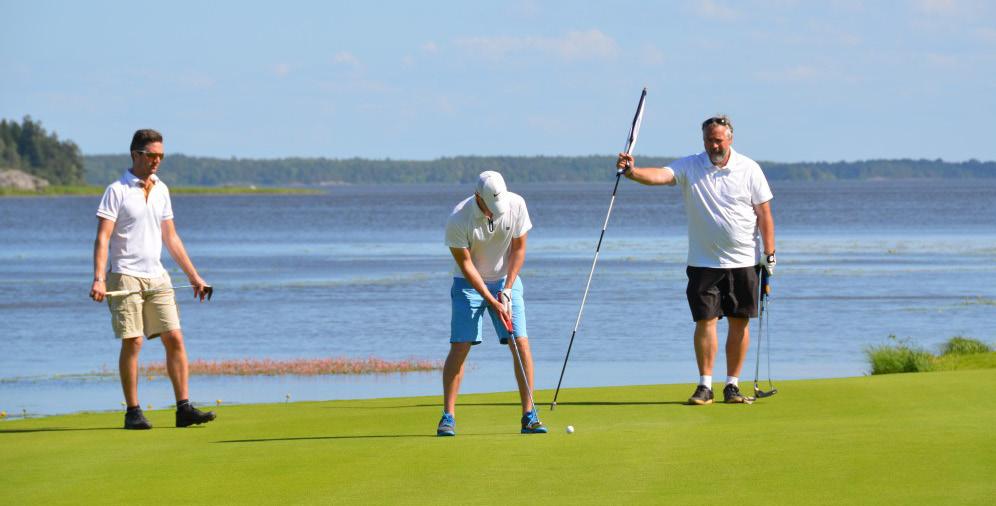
369	436
54	429
541	405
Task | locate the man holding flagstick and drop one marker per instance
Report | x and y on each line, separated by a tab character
731	235
486	234
135	220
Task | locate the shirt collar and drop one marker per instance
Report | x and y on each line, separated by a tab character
731	163
132	180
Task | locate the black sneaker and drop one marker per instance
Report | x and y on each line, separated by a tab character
135	420
702	395
732	395
189	415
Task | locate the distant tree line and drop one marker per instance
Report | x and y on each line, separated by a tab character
189	170
26	146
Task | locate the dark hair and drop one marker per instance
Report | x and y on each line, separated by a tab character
144	137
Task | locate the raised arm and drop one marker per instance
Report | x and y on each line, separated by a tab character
644	175
176	250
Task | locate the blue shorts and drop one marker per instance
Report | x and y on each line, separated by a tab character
468	312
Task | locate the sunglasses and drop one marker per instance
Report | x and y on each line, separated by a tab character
150	155
716	121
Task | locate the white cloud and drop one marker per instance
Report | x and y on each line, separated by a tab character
345	58
795	73
572	46
281	69
429	47
713	10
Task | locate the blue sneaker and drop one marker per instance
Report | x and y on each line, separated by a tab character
447	426
531	423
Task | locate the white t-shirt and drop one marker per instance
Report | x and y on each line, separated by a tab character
137	240
489	242
719	202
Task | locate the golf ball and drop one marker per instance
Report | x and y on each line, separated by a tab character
570	429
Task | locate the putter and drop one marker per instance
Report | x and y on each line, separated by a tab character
518	357
763	289
634	131
209	290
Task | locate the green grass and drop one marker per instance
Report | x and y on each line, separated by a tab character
902	356
54	191
893	439
957	353
959	345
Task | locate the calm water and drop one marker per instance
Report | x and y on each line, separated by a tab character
362	271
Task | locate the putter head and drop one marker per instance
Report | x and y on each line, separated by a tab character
760	394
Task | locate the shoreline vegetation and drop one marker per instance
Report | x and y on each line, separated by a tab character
331	366
206	171
902	355
93	190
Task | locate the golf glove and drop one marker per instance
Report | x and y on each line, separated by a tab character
768	262
506	300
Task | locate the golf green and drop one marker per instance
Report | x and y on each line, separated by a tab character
895	439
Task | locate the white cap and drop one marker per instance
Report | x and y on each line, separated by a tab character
491	187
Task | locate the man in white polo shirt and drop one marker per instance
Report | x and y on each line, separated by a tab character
135	219
486	234
731	236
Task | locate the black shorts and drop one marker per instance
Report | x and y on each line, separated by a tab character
715	293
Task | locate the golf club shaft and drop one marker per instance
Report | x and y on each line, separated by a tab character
518	356
634	131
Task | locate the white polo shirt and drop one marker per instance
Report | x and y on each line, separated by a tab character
137	240
489	241
719	203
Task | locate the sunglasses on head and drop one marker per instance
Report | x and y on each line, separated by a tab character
716	121
150	155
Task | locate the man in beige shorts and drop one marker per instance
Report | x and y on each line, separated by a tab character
135	220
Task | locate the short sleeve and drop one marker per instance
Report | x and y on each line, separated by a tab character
109	204
679	168
760	192
522	223
456	236
167	206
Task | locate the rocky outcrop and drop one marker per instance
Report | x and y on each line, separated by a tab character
20	180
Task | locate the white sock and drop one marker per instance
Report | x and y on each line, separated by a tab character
733	380
705	380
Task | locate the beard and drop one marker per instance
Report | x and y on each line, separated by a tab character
717	157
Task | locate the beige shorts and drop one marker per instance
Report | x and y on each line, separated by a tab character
142	314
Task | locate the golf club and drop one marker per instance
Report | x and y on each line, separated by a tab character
209	290
763	289
511	336
634	131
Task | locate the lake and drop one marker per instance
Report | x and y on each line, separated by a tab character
362	271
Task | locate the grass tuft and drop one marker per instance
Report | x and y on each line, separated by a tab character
960	345
899	357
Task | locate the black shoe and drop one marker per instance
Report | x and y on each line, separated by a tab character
135	420
732	395
702	395
189	415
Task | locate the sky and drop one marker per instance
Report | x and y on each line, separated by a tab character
802	81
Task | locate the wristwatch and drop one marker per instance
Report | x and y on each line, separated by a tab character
770	259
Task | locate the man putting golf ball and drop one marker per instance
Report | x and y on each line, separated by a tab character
486	234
